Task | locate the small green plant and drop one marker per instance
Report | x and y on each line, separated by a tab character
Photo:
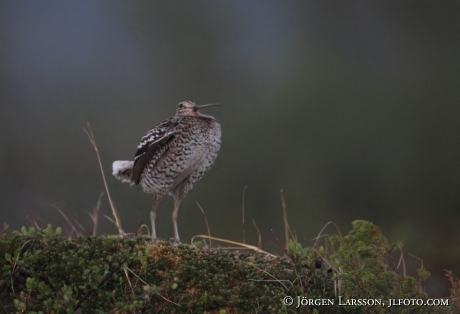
365	268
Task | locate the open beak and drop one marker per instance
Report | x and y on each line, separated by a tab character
207	105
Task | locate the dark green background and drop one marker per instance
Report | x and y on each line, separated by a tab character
352	108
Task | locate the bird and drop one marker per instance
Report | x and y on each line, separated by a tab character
172	157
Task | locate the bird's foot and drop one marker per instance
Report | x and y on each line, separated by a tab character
175	240
154	239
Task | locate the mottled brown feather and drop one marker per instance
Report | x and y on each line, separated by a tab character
173	156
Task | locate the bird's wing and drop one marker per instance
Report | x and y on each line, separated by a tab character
152	143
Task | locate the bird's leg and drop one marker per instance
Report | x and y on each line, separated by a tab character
179	195
153	213
174	219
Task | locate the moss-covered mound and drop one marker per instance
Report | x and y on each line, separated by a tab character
43	272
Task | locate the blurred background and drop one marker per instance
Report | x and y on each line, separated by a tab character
352	109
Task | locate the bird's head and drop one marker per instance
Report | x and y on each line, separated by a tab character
189	108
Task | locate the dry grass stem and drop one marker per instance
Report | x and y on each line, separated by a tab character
321	231
33	222
275	279
258	232
79	225
94	215
167	300
206	220
146	227
403	262
242	213
287	229
110	219
421	267
250	247
72	226
90	134
129	281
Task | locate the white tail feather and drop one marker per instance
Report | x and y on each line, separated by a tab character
123	170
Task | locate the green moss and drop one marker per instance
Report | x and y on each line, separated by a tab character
43	272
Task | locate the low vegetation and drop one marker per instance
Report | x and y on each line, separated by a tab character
44	272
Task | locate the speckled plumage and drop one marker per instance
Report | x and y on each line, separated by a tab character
173	156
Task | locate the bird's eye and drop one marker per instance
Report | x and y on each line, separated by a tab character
181	106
